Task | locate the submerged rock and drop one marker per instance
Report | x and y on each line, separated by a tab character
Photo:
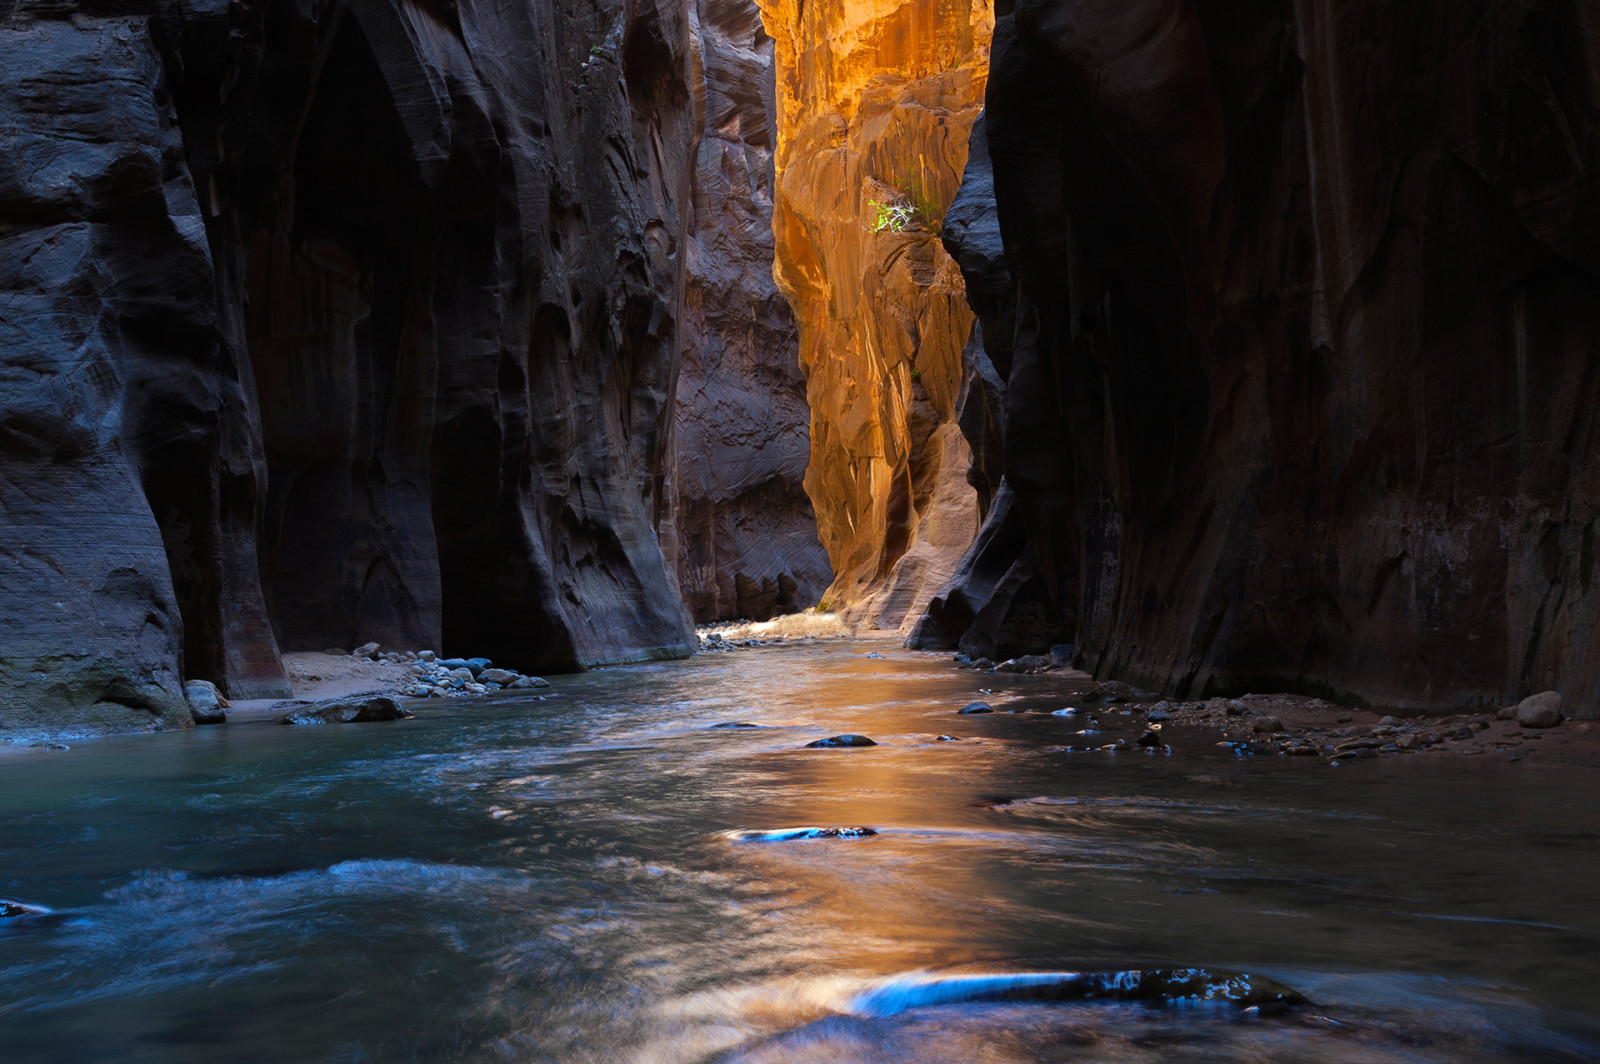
1182	986
972	708
842	740
11	910
795	834
362	709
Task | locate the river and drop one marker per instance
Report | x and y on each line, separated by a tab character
596	878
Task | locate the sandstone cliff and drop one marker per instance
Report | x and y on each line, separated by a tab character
875	102
331	322
747	533
1300	384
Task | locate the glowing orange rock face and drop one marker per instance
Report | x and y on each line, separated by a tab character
875	103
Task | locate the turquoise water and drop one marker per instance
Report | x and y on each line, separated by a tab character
585	880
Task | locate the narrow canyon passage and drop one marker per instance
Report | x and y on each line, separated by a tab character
614	875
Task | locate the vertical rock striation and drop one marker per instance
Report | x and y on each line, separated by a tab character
875	102
747	533
1300	379
334	322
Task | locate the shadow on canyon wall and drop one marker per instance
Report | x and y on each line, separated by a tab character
347	321
1294	317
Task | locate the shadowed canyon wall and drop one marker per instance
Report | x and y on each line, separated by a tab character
875	101
327	323
747	532
1300	377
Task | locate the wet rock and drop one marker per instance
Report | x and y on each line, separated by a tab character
1408	741
798	834
366	650
1117	691
1178	987
523	682
12	910
503	677
1027	664
736	724
848	739
947	739
978	665
1150	738
975	707
363	709
1539	711
207	704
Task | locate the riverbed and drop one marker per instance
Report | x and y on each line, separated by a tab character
608	876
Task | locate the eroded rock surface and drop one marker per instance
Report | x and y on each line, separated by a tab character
1300	389
875	103
334	322
747	532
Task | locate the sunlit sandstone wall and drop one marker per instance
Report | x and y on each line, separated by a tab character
875	102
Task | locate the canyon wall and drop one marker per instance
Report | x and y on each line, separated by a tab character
875	103
747	532
326	323
1298	383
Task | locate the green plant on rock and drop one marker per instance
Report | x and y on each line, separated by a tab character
892	217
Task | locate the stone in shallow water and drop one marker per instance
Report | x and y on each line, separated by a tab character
976	707
737	724
794	834
10	910
1182	986
358	710
207	705
842	740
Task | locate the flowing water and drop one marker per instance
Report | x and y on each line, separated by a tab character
606	877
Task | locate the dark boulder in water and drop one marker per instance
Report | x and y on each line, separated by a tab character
1150	738
737	724
976	707
18	910
1179	986
359	710
842	740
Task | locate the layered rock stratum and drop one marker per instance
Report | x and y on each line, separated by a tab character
1298	313
875	103
332	322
